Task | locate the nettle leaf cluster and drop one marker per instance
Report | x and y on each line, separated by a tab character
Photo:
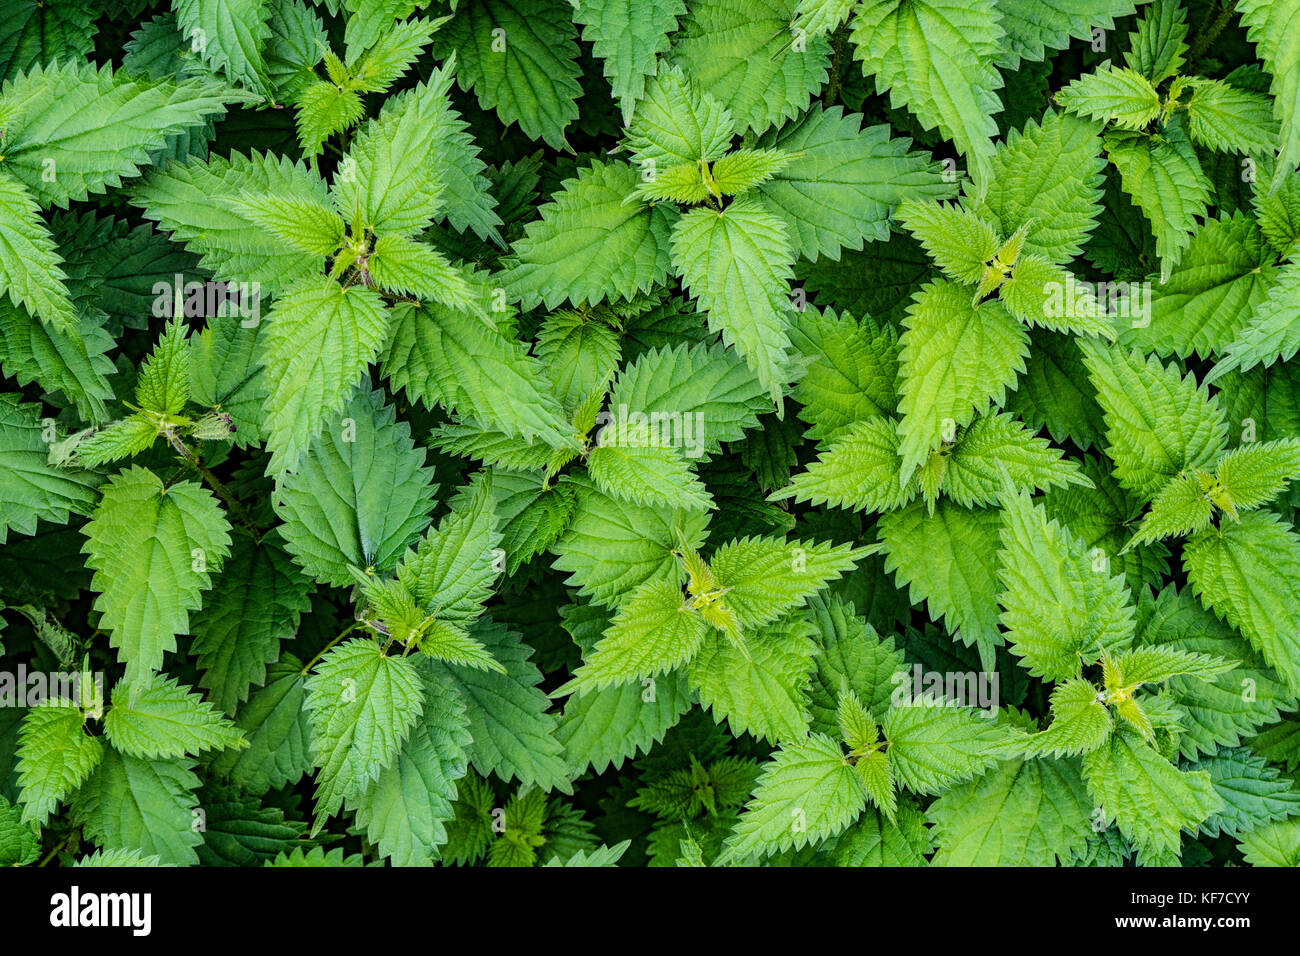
649	432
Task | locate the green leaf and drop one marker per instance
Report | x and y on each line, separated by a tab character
389	179
857	727
278	733
1230	119
935	57
736	264
118	857
362	706
484	373
123	439
628	35
765	577
1158	422
240	831
229	36
406	808
851	653
359	496
744	55
1151	800
806	793
641	467
1157	50
20	843
31	489
1049	172
452	569
55	756
948	558
1036	294
652	632
324	110
820	17
164	384
1208	301
1181	507
1241	571
1054	392
303	223
875	841
294	48
36	33
1021	813
241	627
612	546
1081	721
166	719
995	446
933	745
512	734
600	729
1113	94
604	856
391	55
846	182
580	353
92	127
1252	793
316	856
224	373
589	243
1253	474
1271	27
702	394
153	549
198	203
677	123
1223	710
850	370
521	60
1060	605
404	267
743	169
762	690
956	357
1274	844
1164	178
858	470
1268	333
960	243
1035	27
30	265
149	806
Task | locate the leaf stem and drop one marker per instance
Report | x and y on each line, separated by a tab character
215	483
1209	31
322	652
837	56
49	856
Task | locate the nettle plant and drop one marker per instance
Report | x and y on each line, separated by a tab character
649	432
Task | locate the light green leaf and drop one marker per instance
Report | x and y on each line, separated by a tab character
166	719
361	706
153	550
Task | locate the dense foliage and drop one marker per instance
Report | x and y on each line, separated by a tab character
626	432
